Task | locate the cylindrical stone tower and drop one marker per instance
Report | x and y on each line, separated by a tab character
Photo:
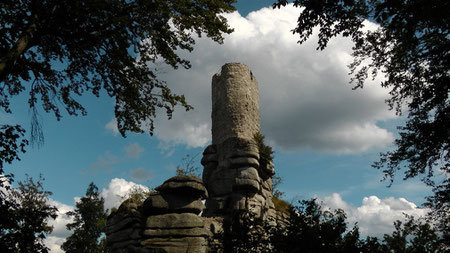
232	173
235	103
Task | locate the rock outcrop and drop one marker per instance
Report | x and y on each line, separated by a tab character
167	221
180	194
124	228
235	178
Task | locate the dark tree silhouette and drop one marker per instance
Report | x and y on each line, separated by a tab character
11	144
410	47
89	224
25	213
57	50
313	228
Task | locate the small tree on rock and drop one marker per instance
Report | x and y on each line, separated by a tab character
188	166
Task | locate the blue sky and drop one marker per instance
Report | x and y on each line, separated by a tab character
325	135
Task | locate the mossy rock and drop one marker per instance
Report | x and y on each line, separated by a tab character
281	205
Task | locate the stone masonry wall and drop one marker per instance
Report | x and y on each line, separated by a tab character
235	103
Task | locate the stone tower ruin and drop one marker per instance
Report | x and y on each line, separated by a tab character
232	173
234	179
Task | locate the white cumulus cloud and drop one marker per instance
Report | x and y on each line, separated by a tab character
117	189
54	243
59	224
305	99
60	232
375	216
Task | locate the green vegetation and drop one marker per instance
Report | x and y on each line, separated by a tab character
25	213
281	205
136	195
58	50
266	157
410	47
242	232
276	181
312	229
11	144
89	224
265	151
105	47
188	166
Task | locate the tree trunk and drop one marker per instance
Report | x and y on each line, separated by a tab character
8	61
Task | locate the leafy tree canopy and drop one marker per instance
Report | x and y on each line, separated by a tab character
411	48
57	50
313	228
25	215
11	144
89	224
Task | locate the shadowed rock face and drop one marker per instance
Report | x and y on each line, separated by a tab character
180	194
167	221
232	173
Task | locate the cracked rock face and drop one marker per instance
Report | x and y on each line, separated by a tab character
179	194
185	185
167	221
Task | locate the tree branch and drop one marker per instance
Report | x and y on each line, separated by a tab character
8	61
